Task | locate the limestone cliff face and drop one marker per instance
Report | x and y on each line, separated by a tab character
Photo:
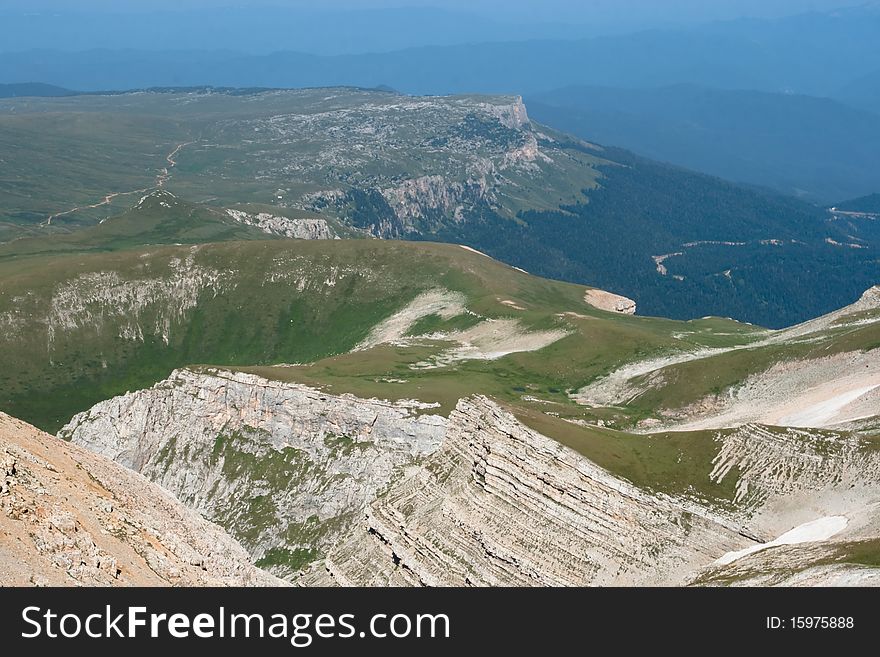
284	468
301	229
365	487
500	504
423	197
513	115
149	305
69	517
772	463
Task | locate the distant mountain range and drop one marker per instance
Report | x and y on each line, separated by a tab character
25	89
815	148
863	92
264	30
817	54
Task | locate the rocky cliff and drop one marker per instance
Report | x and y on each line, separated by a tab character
284	468
500	504
366	487
70	517
773	462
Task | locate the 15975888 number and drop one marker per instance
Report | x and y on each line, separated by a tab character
821	622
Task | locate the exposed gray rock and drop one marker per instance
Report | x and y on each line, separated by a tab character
420	197
303	229
777	462
500	504
341	490
285	468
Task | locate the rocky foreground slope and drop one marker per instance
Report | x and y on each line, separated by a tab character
372	493
70	517
500	504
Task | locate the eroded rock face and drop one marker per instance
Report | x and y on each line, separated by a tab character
777	462
284	468
149	305
514	115
415	199
70	517
500	504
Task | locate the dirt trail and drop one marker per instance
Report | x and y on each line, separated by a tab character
162	178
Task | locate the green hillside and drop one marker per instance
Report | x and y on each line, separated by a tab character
80	328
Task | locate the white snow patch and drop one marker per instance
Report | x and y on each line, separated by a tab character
467	248
810	532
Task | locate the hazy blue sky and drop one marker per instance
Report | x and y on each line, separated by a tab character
333	27
603	10
452	46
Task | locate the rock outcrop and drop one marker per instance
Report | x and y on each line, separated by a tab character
284	468
514	115
148	304
777	462
69	517
500	504
416	199
302	229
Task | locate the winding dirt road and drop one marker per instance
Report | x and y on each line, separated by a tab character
162	178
